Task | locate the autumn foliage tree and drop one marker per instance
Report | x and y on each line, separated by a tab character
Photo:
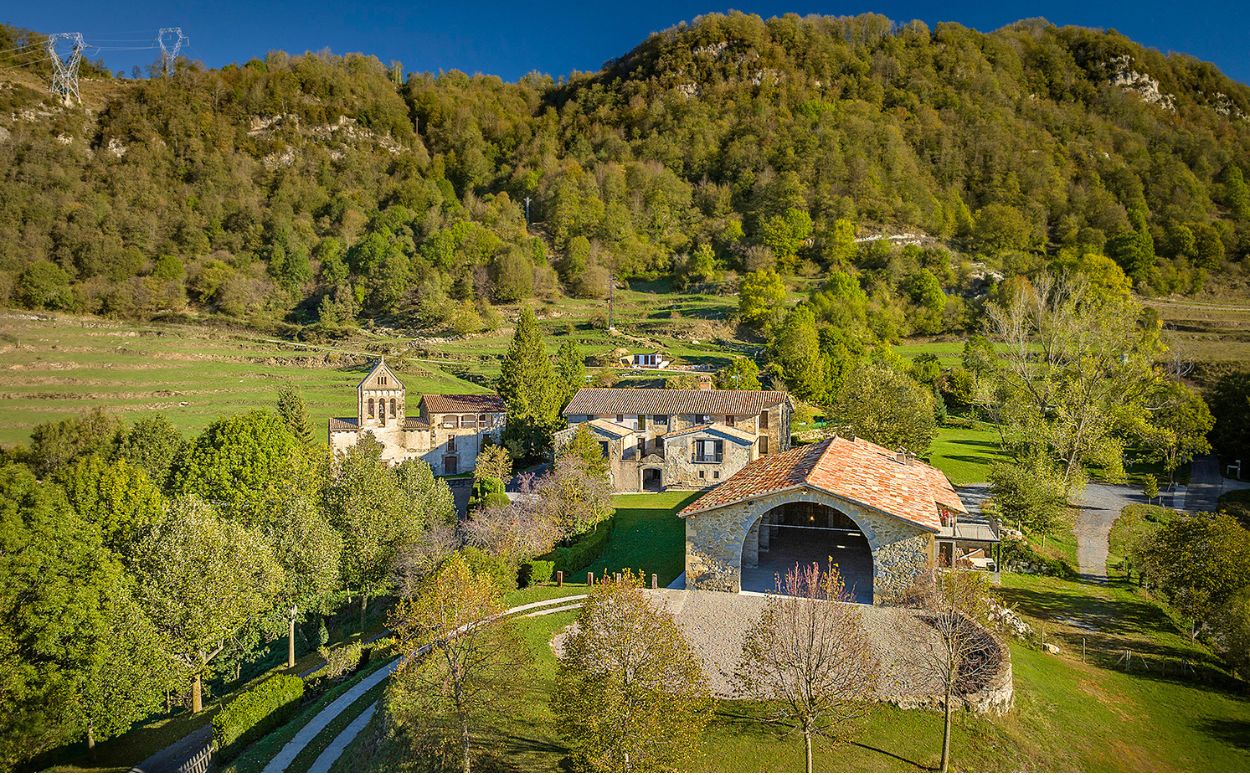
461	667
630	692
809	655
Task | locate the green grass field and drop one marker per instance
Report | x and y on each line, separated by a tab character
965	454
648	536
55	367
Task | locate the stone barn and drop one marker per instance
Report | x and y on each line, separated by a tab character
873	512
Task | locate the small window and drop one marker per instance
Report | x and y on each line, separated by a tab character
603	447
642	422
483	421
763	445
703	474
620	419
730	419
716	474
449	421
763	420
371	411
451	444
392	407
709	451
659	419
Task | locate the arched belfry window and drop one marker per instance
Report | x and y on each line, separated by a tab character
392	407
370	407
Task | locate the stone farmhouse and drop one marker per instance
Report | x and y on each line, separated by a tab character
679	439
881	516
448	431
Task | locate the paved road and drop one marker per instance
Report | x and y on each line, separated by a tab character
1207	484
171	758
1100	505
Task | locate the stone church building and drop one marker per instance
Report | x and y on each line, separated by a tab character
879	515
447	431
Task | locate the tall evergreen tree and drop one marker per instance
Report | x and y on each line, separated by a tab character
294	412
531	391
571	369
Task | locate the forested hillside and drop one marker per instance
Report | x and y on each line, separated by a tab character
323	191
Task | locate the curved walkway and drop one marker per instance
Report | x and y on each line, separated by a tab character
319	722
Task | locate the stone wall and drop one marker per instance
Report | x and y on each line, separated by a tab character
714	542
682	473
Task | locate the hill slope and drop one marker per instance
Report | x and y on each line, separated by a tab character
320	190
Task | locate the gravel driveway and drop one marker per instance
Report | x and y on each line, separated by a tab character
715	623
1100	505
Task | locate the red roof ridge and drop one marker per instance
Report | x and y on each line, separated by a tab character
854	469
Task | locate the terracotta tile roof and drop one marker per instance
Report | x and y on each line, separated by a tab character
613	401
438	403
343	424
856	470
415	424
744	437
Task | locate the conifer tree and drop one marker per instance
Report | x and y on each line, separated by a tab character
571	370
529	387
294	412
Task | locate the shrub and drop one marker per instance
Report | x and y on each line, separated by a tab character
584	551
256	712
340	661
495	568
1019	557
536	572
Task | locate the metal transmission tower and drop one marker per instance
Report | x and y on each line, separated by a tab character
65	71
169	53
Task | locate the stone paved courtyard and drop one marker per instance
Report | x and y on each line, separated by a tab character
715	622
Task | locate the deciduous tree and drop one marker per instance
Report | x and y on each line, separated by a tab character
461	668
202	580
809	655
887	408
630	692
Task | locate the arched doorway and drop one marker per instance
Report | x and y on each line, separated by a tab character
805	532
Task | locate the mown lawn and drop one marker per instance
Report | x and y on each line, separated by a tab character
648	536
966	451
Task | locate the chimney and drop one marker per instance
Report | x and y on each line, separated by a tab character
901	456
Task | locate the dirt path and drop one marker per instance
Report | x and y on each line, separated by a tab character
1100	505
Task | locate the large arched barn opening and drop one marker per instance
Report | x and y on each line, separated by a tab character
804	532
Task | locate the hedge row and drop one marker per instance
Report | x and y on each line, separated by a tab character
584	551
536	572
256	712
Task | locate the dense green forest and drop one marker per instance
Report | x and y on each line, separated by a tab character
319	192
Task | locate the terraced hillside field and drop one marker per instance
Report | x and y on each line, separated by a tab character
56	366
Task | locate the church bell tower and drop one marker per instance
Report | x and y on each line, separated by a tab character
380	398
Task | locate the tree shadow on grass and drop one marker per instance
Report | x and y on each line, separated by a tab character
739	722
1234	732
990	445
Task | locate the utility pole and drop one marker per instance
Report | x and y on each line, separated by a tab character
169	54
611	298
65	71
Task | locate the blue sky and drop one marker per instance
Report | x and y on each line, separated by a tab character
510	39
